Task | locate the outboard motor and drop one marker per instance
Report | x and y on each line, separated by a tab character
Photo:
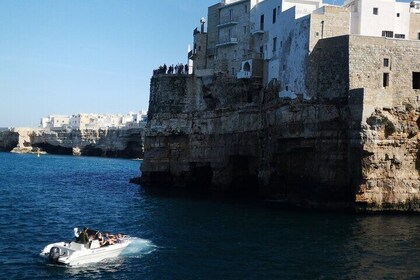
54	254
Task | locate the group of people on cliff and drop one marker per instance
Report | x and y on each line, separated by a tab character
171	70
86	236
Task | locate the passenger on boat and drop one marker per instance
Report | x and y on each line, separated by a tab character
83	236
111	239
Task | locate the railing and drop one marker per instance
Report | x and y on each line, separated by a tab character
227	21
243	75
230	41
253	56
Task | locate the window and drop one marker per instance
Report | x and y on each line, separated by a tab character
231	15
262	22
418	36
400	36
375	11
244	29
416	80
274	44
246	9
388	34
274	15
386	80
398	14
386	62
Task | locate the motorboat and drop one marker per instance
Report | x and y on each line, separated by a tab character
75	253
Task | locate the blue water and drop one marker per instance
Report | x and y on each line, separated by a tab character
186	237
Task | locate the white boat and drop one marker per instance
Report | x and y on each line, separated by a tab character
76	254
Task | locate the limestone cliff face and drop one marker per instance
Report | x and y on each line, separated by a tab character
391	162
126	143
352	142
8	140
235	136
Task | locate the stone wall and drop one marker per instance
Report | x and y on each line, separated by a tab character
390	121
414	26
327	22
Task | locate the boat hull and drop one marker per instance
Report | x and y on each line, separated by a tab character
74	254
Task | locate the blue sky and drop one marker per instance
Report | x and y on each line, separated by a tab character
82	56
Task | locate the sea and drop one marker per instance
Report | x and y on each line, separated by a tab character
186	236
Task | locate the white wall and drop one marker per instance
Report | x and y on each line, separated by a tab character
364	22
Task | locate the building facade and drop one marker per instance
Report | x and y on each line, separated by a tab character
273	39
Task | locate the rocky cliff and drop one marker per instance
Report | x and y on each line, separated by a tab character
126	143
351	143
8	140
235	136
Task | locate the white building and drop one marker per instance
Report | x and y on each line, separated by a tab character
271	39
385	18
94	121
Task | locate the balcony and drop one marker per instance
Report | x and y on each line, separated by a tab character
243	75
229	42
253	55
191	54
227	21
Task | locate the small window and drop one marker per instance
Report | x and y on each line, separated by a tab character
274	15
400	36
416	80
262	22
246	9
418	36
375	11
398	14
388	34
244	29
386	80
386	62
274	44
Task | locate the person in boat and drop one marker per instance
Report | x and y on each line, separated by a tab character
103	241
110	238
83	236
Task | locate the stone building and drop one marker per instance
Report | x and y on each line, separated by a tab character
272	39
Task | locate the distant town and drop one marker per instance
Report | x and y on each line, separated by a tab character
94	121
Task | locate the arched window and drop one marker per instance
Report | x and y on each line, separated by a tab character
247	67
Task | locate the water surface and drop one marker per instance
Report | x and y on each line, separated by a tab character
186	237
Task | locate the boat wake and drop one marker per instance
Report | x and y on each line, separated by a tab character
138	247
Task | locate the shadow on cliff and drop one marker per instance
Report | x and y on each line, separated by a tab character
54	150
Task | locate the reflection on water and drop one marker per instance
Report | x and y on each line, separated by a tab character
384	247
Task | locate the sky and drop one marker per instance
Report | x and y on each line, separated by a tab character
66	57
